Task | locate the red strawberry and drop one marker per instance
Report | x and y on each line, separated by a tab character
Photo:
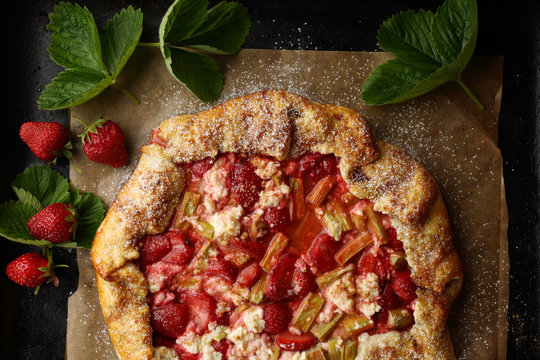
404	286
32	270
295	342
153	248
222	268
279	285
170	320
277	219
221	347
202	308
55	223
276	318
322	251
249	275
255	249
199	168
245	184
47	140
181	251
183	354
303	281
104	142
375	263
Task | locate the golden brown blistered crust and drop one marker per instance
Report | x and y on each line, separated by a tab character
283	125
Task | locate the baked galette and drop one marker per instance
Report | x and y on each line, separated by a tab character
273	227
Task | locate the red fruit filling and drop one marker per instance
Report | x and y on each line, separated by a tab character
260	244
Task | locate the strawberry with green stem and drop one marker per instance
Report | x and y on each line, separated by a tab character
104	142
55	223
33	270
47	140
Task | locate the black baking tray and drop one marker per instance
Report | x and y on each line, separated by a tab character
33	327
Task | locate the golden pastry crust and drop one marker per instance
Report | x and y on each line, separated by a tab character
283	125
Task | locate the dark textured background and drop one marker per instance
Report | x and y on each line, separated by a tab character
34	327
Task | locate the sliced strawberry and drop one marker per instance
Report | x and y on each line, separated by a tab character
290	167
322	251
181	252
277	219
183	354
245	184
199	168
255	249
221	347
303	281
249	275
393	241
295	342
222	268
202	308
153	248
276	318
170	320
375	263
279	285
163	341
309	162
404	286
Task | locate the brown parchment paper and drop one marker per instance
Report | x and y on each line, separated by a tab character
444	130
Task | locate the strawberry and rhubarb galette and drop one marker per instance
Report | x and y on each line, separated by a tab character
272	227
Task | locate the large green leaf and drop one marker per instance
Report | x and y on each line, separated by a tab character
91	64
198	72
91	211
430	49
188	29
120	39
47	185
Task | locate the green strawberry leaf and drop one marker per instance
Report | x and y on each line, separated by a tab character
91	211
430	49
13	218
91	62
27	198
198	72
188	27
120	39
45	184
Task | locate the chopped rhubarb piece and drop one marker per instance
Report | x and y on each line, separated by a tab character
353	247
189	204
222	268
257	228
277	219
276	351
328	278
321	191
359	222
295	342
276	318
205	229
298	203
398	261
279	285
307	311
257	291
334	349
349	350
335	219
404	286
238	258
200	261
357	324
249	275
278	243
322	330
399	319
321	252
153	248
374	224
316	354
170	320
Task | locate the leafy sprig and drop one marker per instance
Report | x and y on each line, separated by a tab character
92	61
37	187
430	49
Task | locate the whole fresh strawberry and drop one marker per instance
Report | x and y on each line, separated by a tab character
31	270
104	142
55	223
47	140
